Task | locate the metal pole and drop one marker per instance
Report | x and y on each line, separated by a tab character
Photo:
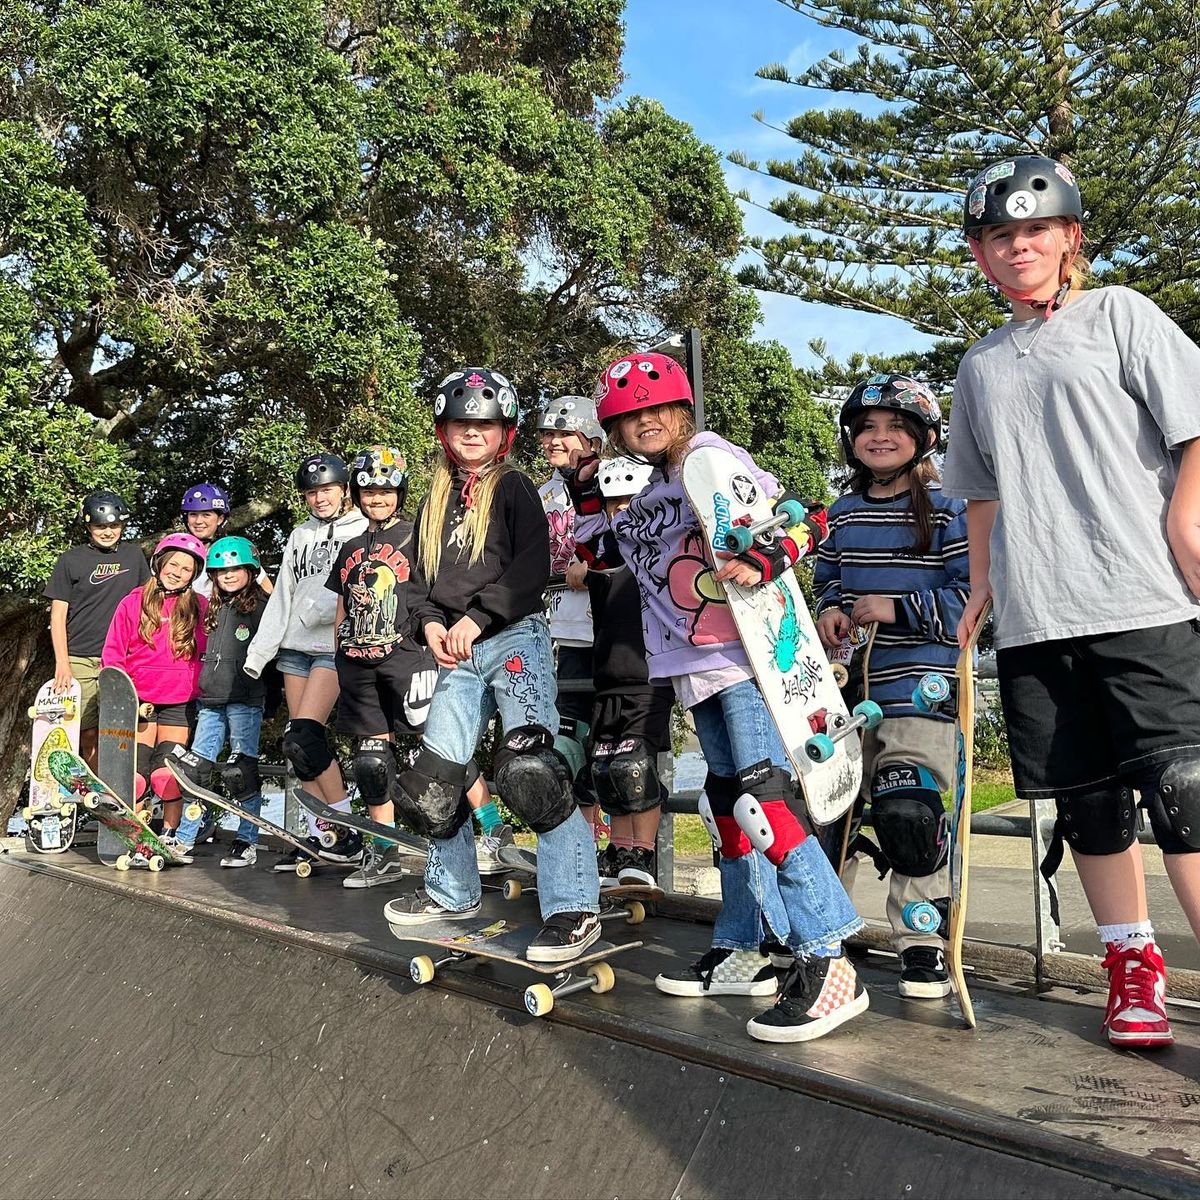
694	365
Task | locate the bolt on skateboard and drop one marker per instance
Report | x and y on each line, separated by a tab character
51	816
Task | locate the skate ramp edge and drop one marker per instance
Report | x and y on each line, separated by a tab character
153	1050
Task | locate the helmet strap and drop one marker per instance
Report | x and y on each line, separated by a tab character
166	591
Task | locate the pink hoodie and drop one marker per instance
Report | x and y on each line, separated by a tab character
159	677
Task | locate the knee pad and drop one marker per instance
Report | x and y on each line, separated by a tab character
626	777
306	747
142	769
164	785
375	770
194	766
762	812
533	778
569	742
909	819
429	796
1174	806
715	807
241	777
1100	821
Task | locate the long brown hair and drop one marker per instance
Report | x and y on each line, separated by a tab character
919	479
242	602
685	418
185	616
479	512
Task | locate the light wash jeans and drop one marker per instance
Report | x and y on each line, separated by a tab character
802	900
241	724
511	672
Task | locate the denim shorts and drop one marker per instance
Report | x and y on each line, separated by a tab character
296	662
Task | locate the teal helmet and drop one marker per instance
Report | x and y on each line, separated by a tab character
229	552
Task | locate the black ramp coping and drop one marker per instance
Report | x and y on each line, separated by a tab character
163	1049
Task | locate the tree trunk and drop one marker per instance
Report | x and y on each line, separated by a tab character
28	660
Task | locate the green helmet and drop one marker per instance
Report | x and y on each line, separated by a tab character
233	552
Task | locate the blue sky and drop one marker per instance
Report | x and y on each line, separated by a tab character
698	57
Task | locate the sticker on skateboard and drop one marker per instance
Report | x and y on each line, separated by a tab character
51	816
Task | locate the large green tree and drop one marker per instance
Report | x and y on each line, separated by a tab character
934	90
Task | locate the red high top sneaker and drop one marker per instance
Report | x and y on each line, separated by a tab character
1137	991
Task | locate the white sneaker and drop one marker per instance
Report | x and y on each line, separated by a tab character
182	853
487	850
722	972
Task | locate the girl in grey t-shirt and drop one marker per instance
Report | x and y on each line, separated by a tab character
1074	440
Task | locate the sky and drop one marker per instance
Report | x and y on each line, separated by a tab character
698	57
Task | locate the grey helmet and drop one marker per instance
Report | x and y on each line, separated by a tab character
571	414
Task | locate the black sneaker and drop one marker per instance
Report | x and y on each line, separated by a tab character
421	909
923	974
241	854
564	936
347	849
818	995
722	972
635	867
288	861
606	865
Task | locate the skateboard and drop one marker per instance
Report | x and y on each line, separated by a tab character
502	941
141	847
326	816
859	641
50	816
116	756
624	902
780	639
202	795
948	915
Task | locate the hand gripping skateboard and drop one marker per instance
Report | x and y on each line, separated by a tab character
50	815
502	941
140	846
934	693
780	640
326	816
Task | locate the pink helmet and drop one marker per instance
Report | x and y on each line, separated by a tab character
185	542
640	381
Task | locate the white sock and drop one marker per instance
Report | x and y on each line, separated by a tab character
1137	933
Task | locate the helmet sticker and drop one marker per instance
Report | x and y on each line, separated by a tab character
475	380
880	378
1021	204
364	477
1064	174
641	393
439	405
451	378
871	395
1002	170
620	369
645	367
500	379
600	391
508	402
977	201
472	404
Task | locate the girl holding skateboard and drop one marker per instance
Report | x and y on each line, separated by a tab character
896	556
645	405
481	555
1076	444
157	637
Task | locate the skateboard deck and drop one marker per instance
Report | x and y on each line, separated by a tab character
410	843
627	901
116	758
503	941
780	639
141	847
860	642
203	795
51	818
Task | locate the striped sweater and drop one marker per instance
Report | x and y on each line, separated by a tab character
867	554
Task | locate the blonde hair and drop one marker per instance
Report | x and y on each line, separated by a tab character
684	417
185	616
476	521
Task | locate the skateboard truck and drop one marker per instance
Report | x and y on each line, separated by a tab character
819	748
740	538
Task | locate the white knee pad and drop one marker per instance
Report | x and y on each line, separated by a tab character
710	822
748	813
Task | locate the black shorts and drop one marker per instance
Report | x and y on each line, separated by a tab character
639	712
176	714
575	667
1089	710
387	696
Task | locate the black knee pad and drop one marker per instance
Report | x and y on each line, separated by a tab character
1174	806
193	766
306	747
909	820
375	770
241	777
533	778
625	775
164	750
1100	821
142	767
430	798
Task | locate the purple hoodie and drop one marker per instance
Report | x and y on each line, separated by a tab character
685	621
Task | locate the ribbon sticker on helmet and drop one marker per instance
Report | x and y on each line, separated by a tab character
439	405
1002	170
1021	204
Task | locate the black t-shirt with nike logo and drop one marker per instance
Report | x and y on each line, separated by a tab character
93	582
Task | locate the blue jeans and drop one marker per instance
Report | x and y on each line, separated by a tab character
512	673
802	900
240	723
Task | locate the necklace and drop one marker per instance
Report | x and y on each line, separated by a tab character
1023	351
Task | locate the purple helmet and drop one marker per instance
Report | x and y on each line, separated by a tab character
185	542
205	497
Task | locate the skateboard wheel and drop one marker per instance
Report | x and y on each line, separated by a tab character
91	801
636	914
194	811
819	747
603	979
739	539
65	810
123	863
539	999
840	675
328	838
421	969
511	889
303	870
31	713
931	690
157	862
793	510
870	712
26	814
145	815
921	916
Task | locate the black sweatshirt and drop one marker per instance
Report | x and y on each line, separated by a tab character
507	582
222	680
618	648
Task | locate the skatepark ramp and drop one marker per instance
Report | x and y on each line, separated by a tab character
203	1033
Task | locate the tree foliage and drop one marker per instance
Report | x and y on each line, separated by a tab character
939	88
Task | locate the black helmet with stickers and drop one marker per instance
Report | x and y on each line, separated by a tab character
318	470
475	394
104	508
379	467
571	414
893	393
1019	189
